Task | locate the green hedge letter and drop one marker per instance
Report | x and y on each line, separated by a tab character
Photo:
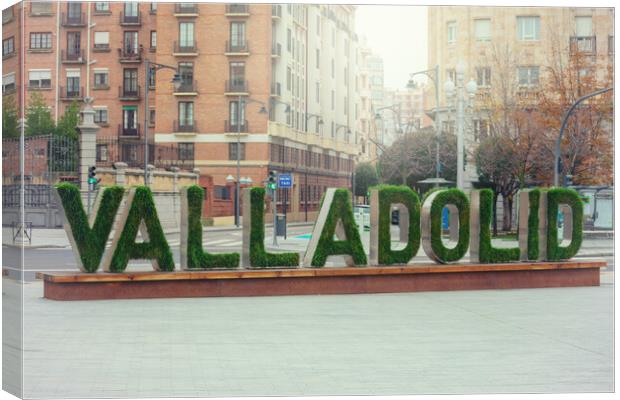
139	214
382	198
481	249
431	225
335	217
253	253
88	244
192	254
570	198
529	224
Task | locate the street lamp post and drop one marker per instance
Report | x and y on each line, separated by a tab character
177	83
450	89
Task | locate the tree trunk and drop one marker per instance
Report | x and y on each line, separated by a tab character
507	217
494	214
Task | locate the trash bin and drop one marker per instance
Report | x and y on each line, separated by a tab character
281	225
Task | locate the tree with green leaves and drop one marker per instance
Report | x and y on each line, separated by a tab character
67	125
365	177
38	117
9	118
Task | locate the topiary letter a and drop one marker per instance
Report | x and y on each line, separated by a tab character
139	214
335	217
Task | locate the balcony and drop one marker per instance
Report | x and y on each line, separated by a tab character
184	127
128	132
70	94
186	10
236	49
130	20
276	50
187	89
236	87
73	21
276	11
129	94
185	49
237	10
72	56
130	55
232	127
276	89
583	44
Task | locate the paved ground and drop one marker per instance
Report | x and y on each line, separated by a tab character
534	340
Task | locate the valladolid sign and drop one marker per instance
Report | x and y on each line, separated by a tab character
127	212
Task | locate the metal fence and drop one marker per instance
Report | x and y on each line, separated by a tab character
131	152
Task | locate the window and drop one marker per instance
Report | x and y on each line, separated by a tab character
451	74
102	6
186	71
234	117
528	76
186	114
333	99
130	42
41	8
346	77
7	15
221	193
528	28
483	76
288	40
153	39
583	26
40	40
131	9
288	78
8	83
237	34
152	115
451	32
232	151
8	46
333	130
318	58
153	9
333	68
237	74
482	28
101	115
102	40
74	12
481	130
130	81
39	78
73	82
186	151
102	152
130	120
318	92
186	34
101	78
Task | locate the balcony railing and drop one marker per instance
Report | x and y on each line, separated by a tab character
231	127
583	44
100	47
185	47
236	86
184	127
276	49
131	151
276	10
129	93
185	8
130	54
71	93
131	20
237	47
238	9
187	87
73	20
128	132
276	89
72	56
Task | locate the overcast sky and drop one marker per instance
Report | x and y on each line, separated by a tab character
398	34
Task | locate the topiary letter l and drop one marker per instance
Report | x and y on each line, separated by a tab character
88	243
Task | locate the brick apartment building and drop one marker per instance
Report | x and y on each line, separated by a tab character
295	66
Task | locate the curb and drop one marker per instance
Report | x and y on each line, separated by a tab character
37	246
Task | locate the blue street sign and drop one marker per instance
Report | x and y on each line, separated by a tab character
285	181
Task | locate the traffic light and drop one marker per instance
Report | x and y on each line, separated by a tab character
568	180
272	182
92	173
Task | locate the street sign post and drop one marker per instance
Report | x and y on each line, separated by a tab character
285	181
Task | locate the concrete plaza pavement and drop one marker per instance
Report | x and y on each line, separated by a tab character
494	341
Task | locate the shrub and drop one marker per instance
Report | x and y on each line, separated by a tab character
259	258
458	198
389	195
196	256
142	208
90	242
487	253
570	197
532	225
340	209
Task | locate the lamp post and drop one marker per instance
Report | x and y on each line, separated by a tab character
240	106
177	84
320	123
395	108
433	75
459	90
